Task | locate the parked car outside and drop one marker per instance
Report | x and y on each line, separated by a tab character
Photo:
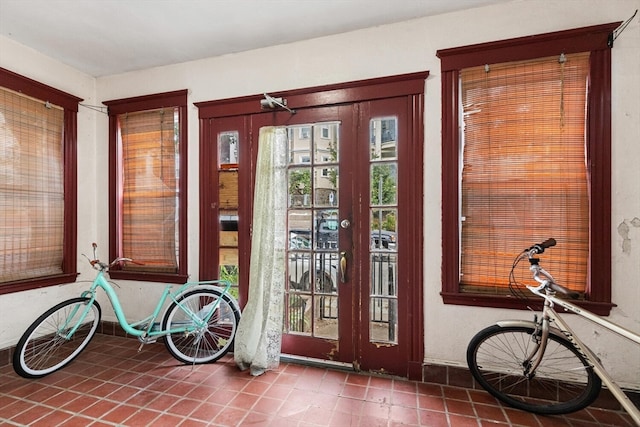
326	263
326	271
383	239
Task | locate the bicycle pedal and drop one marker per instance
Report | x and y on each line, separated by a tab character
144	341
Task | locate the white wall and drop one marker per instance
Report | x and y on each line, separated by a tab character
386	50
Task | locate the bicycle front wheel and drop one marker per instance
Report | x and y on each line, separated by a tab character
206	344
44	347
563	382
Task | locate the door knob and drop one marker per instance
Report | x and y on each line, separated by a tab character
345	223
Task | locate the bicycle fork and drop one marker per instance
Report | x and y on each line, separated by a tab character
539	337
72	315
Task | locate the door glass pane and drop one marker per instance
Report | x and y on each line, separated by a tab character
228	250
326	325
228	149
383	229
384	298
383	137
299	187
228	208
383	214
325	143
325	184
326	229
312	298
384	183
299	145
300	227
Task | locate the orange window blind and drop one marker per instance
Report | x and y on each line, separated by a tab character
31	187
149	189
524	169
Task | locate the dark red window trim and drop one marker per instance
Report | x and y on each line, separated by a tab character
594	39
69	103
148	102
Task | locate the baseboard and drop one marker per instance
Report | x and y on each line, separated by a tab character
112	328
5	355
461	377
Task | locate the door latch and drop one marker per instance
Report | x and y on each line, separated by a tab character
343	266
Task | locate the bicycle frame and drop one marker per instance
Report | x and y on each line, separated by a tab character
149	331
550	316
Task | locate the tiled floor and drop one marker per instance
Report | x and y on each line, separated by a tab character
111	384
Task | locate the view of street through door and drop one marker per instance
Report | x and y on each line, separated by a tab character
313	217
314	223
319	292
342	258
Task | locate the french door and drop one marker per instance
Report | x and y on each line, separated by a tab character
353	284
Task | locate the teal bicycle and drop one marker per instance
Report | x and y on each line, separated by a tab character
199	325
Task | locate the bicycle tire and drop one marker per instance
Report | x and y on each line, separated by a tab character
564	381
209	344
42	349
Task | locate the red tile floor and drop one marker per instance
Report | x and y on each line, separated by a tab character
111	384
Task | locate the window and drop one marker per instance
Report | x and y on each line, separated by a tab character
526	156
324	132
325	172
305	132
147	140
37	184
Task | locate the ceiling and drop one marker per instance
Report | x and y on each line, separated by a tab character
104	37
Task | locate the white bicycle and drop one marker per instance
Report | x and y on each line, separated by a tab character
541	366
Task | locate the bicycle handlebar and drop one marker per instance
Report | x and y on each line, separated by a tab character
104	266
539	248
540	275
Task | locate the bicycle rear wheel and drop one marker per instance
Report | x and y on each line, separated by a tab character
44	347
563	382
211	342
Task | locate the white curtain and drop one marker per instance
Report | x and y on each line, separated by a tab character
259	336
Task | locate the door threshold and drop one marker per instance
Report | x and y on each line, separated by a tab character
321	363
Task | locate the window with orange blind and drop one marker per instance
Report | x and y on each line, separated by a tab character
37	184
526	155
524	175
149	168
148	187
